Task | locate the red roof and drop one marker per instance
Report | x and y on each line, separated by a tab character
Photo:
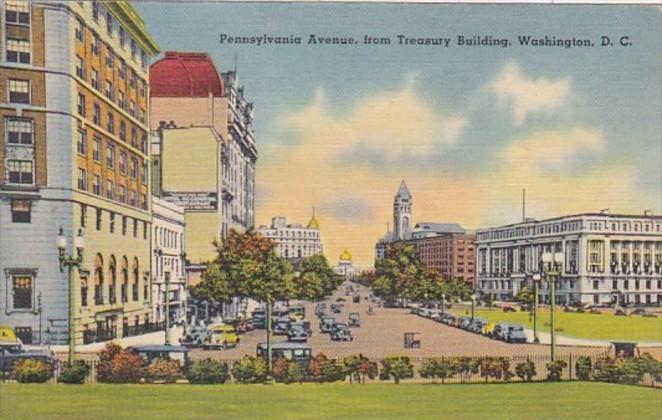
185	74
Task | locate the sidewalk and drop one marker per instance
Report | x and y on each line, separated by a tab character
137	340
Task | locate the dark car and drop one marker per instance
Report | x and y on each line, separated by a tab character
282	325
299	331
194	336
356	298
299	353
448	319
155	352
326	324
477	325
516	334
354	319
341	332
335	308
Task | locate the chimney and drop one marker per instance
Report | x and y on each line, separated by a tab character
604	211
648	213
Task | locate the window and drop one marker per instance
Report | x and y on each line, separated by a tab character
109	24
123	130
122	37
145	231
80	30
134	168
19	91
109	90
143	144
96	184
96	149
134	137
110	189
94	80
122	70
134	49
96	114
112	222
121	102
143	173
22	287
95	44
143	60
132	108
124	221
82	179
122	194
123	162
18	51
20	171
19	130
111	123
143	203
81	104
132	80
99	217
135	228
17	12
81	144
133	198
21	211
110	58
110	156
95	10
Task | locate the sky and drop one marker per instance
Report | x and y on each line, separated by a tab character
467	127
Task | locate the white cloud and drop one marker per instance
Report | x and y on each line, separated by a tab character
529	95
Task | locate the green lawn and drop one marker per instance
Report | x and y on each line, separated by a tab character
578	400
604	326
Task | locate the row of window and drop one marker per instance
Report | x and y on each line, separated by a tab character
621	226
112	217
112	192
132	167
110	123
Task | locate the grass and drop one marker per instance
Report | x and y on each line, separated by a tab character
570	400
604	326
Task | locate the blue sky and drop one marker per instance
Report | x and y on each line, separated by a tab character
466	127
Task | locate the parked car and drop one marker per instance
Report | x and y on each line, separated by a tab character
502	331
489	328
392	303
155	352
194	335
282	325
463	322
423	311
354	319
326	324
516	334
341	299
508	308
477	325
297	312
12	350
356	298
259	319
221	336
341	332
448	319
335	308
638	311
299	331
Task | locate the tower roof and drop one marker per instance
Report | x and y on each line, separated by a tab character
346	256
313	223
403	191
185	74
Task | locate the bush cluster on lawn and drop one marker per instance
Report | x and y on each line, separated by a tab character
74	373
32	371
250	370
627	370
323	369
526	370
163	370
117	365
396	367
208	371
288	371
357	368
555	369
439	368
583	368
495	367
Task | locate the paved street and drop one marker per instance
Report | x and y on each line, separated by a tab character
382	335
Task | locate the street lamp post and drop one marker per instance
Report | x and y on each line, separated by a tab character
159	255
536	281
553	263
473	305
443	303
71	262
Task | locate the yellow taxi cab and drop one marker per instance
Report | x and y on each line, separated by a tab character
221	336
487	330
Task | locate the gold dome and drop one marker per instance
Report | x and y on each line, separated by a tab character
346	256
314	223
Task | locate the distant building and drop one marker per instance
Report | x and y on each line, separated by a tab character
443	247
168	263
294	240
345	266
608	257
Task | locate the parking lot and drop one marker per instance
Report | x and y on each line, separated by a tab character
382	334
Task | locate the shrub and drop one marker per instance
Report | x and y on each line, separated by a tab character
555	369
583	368
163	370
526	370
618	370
652	367
428	369
250	370
32	371
366	368
280	369
397	367
208	372
295	373
467	367
323	369
119	365
74	374
495	367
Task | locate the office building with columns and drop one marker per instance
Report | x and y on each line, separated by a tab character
294	241
74	155
608	258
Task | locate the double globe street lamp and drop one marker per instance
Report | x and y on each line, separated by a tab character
72	261
552	269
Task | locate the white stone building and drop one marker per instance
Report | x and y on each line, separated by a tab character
294	240
168	261
346	267
607	257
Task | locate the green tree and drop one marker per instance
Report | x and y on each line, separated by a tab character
398	368
583	368
526	370
396	270
525	296
316	279
467	367
446	369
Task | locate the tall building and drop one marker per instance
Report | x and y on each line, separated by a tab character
608	257
168	263
294	240
402	218
74	156
204	151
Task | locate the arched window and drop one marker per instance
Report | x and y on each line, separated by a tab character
112	286
136	279
98	280
125	280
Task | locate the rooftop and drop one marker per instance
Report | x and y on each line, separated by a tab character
185	74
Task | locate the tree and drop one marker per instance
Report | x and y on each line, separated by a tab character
467	367
526	370
328	280
398	368
446	369
525	296
555	369
583	368
396	270
488	299
247	266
